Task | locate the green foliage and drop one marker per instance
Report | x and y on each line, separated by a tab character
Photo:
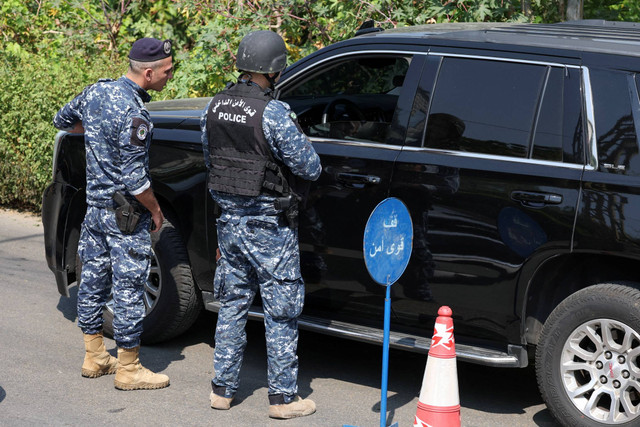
32	88
306	26
476	11
51	49
613	10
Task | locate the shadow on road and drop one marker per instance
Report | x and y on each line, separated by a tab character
67	306
158	357
485	389
15	239
501	391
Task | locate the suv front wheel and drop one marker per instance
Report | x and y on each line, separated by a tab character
588	357
172	301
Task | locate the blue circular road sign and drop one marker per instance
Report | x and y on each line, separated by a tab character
388	239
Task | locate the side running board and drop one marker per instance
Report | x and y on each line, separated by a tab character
516	357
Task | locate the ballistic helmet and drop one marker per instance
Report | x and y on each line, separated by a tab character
262	52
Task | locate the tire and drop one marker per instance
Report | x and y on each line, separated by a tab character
588	357
171	299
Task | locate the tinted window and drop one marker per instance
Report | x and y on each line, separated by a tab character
547	141
558	134
359	76
352	99
484	106
615	129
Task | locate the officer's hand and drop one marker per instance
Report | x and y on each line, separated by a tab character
156	221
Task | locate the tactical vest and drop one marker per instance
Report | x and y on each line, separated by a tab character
240	156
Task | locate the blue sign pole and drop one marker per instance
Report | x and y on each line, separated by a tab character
385	357
387	244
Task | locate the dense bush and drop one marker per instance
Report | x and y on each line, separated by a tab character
31	91
51	49
613	10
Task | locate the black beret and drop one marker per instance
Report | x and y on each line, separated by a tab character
150	49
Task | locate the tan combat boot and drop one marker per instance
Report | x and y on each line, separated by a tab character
298	407
220	402
131	375
97	361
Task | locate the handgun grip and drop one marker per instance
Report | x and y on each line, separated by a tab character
119	198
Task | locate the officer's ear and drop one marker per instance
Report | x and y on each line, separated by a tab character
148	74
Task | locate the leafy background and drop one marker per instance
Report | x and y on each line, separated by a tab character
51	49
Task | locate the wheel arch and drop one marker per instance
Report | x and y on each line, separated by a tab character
562	276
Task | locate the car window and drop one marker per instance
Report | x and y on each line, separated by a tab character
547	142
351	99
615	129
485	106
558	132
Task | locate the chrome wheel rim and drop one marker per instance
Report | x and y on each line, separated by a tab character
600	370
152	287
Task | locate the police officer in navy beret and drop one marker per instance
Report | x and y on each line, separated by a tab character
115	242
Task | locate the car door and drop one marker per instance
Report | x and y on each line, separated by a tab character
351	107
491	178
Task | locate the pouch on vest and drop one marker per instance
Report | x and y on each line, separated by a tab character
235	175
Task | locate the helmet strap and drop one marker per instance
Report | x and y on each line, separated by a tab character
244	77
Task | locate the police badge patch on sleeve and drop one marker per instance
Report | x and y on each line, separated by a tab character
294	118
139	131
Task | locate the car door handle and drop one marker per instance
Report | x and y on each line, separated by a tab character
534	199
356	178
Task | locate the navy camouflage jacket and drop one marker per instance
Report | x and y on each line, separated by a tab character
117	136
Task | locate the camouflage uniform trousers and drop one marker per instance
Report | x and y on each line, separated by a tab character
258	252
110	258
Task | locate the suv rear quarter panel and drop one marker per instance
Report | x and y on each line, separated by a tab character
608	221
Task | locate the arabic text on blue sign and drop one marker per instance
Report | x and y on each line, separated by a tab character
387	242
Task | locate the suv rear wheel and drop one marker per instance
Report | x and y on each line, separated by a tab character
588	357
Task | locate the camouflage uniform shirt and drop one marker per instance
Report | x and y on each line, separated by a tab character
117	137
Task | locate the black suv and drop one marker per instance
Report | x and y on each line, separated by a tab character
515	149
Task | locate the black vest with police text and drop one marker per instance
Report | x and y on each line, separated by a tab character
240	156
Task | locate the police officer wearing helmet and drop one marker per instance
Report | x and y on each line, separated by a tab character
258	161
115	244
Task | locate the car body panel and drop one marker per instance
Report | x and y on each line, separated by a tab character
63	208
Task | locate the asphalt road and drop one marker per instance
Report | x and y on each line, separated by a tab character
41	352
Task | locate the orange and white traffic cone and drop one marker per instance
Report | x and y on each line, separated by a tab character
439	402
